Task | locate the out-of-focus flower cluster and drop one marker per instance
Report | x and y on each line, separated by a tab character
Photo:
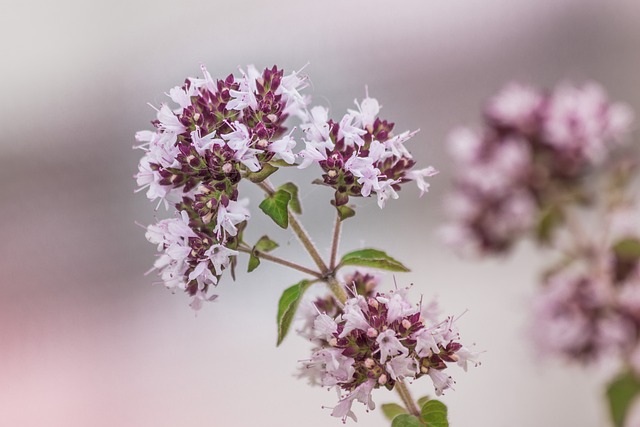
534	150
593	310
376	339
360	155
217	132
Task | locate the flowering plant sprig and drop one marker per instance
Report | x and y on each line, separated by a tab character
554	166
224	132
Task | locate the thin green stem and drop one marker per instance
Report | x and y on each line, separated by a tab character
275	259
335	243
300	232
407	399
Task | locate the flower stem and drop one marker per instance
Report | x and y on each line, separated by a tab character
300	232
337	289
335	242
408	401
263	255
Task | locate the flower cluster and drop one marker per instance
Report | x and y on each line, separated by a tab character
534	150
378	340
592	311
218	132
360	155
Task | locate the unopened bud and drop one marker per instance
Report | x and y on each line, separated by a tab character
369	363
372	332
373	302
382	380
272	118
332	173
196	117
333	342
262	144
227	168
424	370
406	323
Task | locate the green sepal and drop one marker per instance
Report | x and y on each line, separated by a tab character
434	414
262	174
372	258
276	206
288	305
406	420
621	393
392	410
292	189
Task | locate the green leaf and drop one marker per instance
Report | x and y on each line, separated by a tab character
254	262
548	220
265	244
391	410
621	393
276	207
627	249
292	189
288	305
406	420
372	258
434	414
345	212
423	400
262	174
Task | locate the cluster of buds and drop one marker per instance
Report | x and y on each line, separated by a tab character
534	151
360	155
593	310
378	340
220	132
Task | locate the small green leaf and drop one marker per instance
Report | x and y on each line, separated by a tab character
262	174
345	212
265	244
276	207
292	189
391	410
423	400
621	393
372	258
254	262
288	305
548	220
627	249
406	420
434	414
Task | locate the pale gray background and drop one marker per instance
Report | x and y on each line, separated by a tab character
85	340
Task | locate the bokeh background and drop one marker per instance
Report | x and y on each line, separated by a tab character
86	340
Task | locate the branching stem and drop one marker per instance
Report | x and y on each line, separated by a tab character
293	265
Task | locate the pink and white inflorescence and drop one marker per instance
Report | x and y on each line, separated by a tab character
378	340
216	132
533	146
360	155
587	313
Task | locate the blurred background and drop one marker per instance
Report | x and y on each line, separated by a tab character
87	340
